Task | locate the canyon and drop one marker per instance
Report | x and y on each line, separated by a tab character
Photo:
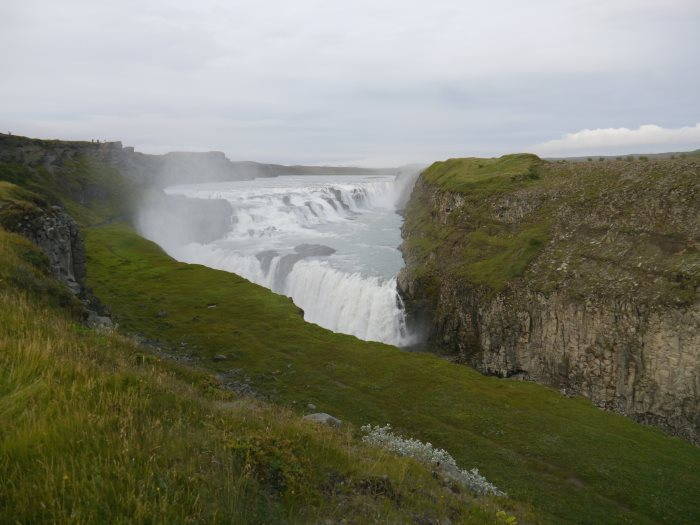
201	364
578	275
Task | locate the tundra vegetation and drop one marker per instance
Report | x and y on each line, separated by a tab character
504	213
580	275
190	410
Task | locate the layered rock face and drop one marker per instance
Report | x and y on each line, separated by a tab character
58	236
177	167
582	276
152	170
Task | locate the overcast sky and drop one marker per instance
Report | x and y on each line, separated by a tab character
355	82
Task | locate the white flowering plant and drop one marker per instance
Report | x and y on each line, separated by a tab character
427	454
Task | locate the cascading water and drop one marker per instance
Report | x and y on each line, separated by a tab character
330	243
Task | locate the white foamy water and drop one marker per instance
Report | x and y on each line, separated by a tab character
328	242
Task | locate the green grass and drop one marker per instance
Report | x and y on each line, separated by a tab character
622	228
90	190
16	203
483	176
100	429
468	242
96	430
494	258
569	461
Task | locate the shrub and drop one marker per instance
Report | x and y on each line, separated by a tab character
428	455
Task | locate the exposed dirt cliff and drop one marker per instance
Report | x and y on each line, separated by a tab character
582	276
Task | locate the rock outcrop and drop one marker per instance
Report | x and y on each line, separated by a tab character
58	236
323	418
582	276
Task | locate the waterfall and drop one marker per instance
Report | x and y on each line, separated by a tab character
329	243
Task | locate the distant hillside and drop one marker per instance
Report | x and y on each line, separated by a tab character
631	156
158	170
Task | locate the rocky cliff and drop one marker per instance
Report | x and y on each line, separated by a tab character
582	276
152	170
178	167
58	236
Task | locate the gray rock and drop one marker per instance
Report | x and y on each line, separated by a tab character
594	313
311	406
322	417
265	257
219	357
57	235
287	262
100	322
314	250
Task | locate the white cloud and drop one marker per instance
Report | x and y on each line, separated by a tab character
647	138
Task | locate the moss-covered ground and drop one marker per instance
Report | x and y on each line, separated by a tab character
619	229
563	457
482	176
95	429
90	190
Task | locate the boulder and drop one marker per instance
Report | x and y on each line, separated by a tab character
322	417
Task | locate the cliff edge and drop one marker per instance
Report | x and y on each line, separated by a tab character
579	275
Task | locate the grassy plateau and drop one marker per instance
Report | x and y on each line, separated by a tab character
620	228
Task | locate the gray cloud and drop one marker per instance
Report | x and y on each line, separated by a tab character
359	82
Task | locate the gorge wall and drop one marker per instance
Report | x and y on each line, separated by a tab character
582	276
177	167
151	170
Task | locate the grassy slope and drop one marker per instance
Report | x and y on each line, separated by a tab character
492	253
91	191
94	430
572	461
97	429
483	176
620	227
569	460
